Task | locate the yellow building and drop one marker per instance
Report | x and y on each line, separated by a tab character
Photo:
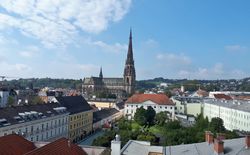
80	117
102	103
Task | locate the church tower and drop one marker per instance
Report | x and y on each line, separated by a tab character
129	70
100	74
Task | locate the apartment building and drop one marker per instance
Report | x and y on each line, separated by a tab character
41	122
235	114
80	117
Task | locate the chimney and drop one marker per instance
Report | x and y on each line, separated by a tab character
247	140
221	136
209	138
69	143
218	147
116	146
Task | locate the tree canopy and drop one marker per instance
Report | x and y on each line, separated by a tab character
145	117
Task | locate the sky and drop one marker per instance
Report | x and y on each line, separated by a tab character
193	39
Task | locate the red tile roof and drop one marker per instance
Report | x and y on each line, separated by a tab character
202	93
58	147
156	98
223	96
15	145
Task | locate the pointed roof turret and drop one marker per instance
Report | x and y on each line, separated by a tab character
100	74
130	59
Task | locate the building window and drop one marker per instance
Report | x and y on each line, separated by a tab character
31	129
37	138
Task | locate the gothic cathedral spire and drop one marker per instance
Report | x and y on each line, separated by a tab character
129	70
100	74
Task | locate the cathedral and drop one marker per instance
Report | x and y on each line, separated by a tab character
119	86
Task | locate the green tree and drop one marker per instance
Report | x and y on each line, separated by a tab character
140	116
171	125
150	115
201	123
168	93
124	124
11	101
161	118
217	125
147	137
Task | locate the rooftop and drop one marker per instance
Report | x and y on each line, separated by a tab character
15	145
104	113
74	104
231	147
188	99
26	113
160	99
232	104
222	96
59	147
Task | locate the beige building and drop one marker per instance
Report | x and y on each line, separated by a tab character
188	105
102	103
80	117
80	125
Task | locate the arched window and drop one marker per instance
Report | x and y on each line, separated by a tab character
127	80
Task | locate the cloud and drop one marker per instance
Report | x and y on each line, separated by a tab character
16	69
113	48
89	68
174	59
235	48
57	23
21	67
29	52
217	71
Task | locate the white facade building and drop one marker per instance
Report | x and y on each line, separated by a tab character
159	102
235	114
4	94
44	122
